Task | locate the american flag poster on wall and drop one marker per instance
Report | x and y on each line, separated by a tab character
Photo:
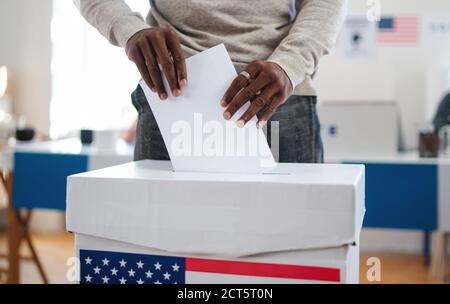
402	30
104	267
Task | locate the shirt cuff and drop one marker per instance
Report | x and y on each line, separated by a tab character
291	67
124	28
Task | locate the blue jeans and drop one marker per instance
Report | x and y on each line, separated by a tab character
299	131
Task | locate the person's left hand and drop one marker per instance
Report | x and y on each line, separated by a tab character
267	88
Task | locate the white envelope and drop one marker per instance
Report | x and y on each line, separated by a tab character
193	128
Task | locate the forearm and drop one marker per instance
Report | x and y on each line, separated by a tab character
312	36
112	18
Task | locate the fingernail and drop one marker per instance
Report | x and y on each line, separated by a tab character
240	123
260	124
176	93
227	115
163	96
223	103
183	83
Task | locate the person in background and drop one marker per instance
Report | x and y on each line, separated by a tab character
442	117
275	46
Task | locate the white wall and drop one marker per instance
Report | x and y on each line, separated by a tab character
394	73
397	73
25	48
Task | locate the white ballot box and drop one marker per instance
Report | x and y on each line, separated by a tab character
143	223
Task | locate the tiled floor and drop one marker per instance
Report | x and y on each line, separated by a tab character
55	249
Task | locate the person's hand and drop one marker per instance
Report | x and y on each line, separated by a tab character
267	88
156	49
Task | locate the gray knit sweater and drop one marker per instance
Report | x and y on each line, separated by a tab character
293	34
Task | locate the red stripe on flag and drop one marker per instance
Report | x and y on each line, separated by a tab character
405	30
264	270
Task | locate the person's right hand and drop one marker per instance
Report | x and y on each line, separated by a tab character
156	49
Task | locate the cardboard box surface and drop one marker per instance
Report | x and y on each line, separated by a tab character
294	207
105	261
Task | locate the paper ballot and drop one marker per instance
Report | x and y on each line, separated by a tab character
196	135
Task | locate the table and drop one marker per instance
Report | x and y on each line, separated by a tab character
34	175
405	191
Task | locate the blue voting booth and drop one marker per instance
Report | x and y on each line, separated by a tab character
402	195
40	178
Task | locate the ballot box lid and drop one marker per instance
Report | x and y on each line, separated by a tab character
290	207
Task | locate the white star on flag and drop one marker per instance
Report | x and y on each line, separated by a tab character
175	267
122	263
140	265
158	266
166	276
126	268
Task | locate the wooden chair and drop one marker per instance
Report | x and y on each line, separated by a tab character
17	231
439	266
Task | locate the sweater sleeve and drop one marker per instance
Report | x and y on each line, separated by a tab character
112	18
312	35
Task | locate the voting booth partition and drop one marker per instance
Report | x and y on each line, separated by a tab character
142	223
353	129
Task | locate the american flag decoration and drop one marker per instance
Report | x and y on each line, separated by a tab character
104	267
398	30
